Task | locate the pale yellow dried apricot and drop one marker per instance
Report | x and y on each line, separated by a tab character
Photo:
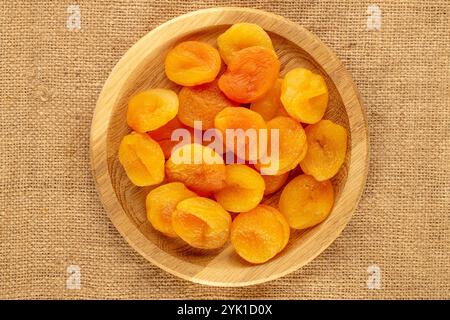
244	189
142	159
305	202
202	223
327	147
161	202
304	95
240	36
151	109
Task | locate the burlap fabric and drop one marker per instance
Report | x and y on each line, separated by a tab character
51	217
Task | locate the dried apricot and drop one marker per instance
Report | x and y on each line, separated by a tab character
304	95
250	74
327	147
292	146
201	222
167	147
241	131
165	132
163	136
270	106
151	109
200	168
142	159
258	235
244	189
306	202
240	36
161	202
284	224
202	103
274	183
192	63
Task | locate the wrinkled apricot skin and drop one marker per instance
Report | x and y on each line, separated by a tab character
240	36
304	95
202	103
142	159
250	74
292	145
327	147
274	183
244	189
242	118
200	168
192	63
151	109
161	202
269	106
258	235
305	202
202	223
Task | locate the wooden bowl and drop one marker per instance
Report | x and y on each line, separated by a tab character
142	67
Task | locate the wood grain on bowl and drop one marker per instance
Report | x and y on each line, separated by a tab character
142	67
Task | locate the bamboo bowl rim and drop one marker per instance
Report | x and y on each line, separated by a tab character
314	241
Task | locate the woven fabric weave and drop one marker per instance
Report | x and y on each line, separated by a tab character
51	216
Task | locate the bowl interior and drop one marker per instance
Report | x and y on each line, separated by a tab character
150	74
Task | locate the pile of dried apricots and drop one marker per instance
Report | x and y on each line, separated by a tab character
206	203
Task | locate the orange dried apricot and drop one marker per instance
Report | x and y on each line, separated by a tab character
201	222
250	74
246	144
306	202
151	109
270	106
142	159
284	224
274	183
202	103
327	147
192	63
200	168
292	146
304	95
167	147
244	189
165	132
258	235
161	202
163	136
240	36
